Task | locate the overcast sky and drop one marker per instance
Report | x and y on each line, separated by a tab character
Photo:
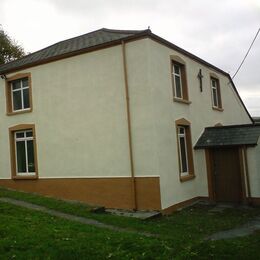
218	31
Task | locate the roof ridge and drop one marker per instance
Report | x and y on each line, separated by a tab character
123	31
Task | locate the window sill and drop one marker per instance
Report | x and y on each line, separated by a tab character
187	178
218	109
28	177
19	112
184	101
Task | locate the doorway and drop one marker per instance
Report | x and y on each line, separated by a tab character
226	175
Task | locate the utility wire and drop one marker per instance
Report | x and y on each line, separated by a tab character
246	53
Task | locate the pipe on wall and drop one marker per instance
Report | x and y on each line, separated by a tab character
133	182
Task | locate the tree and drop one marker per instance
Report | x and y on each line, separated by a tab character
9	48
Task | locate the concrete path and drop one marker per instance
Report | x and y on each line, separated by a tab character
81	220
245	230
144	215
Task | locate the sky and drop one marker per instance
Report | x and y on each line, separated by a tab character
219	32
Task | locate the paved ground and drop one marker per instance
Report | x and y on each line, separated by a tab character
81	220
245	230
135	214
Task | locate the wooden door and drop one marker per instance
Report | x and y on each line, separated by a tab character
226	177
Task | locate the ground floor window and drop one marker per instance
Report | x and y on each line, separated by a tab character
182	139
185	152
23	151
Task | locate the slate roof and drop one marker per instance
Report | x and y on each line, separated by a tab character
96	39
256	120
229	136
79	43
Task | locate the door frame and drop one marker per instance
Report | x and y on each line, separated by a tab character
242	166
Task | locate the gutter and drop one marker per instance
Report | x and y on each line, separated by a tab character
130	142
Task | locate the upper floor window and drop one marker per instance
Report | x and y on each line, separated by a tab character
215	93
179	81
18	93
177	76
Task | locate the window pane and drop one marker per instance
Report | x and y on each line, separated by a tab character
26	101
21	159
181	130
215	97
16	84
214	83
177	69
19	135
29	134
17	100
178	87
30	154
183	155
25	82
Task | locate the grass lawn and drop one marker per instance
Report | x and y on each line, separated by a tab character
27	234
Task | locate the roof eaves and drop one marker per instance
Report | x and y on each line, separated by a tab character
231	126
54	44
197	146
235	89
186	53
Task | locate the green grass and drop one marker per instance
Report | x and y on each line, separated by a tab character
27	234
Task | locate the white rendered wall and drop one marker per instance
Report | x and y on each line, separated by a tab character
199	113
253	157
143	118
79	112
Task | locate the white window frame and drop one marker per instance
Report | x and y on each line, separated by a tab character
179	76
25	139
21	89
183	135
212	92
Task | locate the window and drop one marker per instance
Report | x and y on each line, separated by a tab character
18	89
215	93
179	82
23	151
186	167
183	150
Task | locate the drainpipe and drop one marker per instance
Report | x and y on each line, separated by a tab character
247	176
133	181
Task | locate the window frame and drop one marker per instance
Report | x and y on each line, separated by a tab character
13	148
179	75
215	88
9	94
177	61
189	174
184	137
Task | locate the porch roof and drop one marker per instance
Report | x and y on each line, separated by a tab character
235	135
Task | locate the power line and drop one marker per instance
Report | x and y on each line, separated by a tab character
246	53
